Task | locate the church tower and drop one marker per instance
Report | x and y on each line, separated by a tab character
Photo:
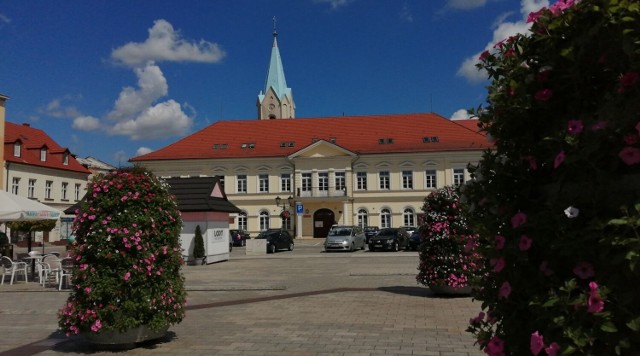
276	102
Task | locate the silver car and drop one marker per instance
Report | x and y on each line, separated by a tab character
345	238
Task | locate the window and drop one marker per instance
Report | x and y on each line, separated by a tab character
31	189
63	191
285	182
384	180
264	220
409	217
65	159
47	189
430	175
340	181
385	218
15	183
458	176
17	149
43	154
306	182
242	221
323	181
407	180
221	180
361	180
263	183
241	180
363	218
76	192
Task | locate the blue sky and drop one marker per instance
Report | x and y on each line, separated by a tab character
114	79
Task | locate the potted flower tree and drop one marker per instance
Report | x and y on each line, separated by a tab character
557	199
198	247
449	260
127	286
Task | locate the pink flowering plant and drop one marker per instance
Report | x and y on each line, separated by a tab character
556	201
448	252
128	256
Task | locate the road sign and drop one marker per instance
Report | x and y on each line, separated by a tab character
299	208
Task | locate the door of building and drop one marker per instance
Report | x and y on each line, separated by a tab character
322	221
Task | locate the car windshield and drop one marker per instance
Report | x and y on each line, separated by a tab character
340	232
268	235
387	232
369	229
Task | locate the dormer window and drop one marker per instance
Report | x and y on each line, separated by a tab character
65	159
17	149
43	154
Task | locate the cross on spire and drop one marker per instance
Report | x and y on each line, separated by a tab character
275	32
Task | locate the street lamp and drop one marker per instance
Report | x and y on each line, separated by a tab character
289	203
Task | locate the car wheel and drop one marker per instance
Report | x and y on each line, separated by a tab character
272	248
290	246
396	247
362	247
244	243
371	248
230	247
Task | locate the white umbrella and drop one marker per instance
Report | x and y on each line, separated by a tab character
16	208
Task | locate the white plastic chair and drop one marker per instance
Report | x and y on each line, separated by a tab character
51	266
10	268
67	266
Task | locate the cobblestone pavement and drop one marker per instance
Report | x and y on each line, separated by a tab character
303	302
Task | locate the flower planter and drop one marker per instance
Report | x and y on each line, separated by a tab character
449	290
131	336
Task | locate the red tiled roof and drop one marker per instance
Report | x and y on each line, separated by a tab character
471	124
32	140
359	134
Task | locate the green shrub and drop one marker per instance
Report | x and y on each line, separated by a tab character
198	244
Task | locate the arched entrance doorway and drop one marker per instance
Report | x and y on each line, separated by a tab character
322	221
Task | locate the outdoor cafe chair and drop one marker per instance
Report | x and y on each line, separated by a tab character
67	266
49	266
11	267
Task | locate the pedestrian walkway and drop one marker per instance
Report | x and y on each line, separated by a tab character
303	302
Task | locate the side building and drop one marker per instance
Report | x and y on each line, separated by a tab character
309	173
38	168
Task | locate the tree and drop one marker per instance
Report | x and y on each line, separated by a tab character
198	244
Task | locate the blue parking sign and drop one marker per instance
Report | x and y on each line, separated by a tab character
299	208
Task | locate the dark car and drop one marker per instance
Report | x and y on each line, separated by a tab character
415	240
277	240
239	237
369	232
393	239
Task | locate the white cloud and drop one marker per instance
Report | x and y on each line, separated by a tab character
151	86
120	157
58	108
4	19
86	123
461	114
335	4
166	44
143	151
158	121
465	4
502	30
405	13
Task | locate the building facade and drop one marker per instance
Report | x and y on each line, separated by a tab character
368	170
38	168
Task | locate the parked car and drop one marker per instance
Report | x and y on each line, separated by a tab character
370	231
410	229
393	239
239	237
277	240
345	238
415	240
